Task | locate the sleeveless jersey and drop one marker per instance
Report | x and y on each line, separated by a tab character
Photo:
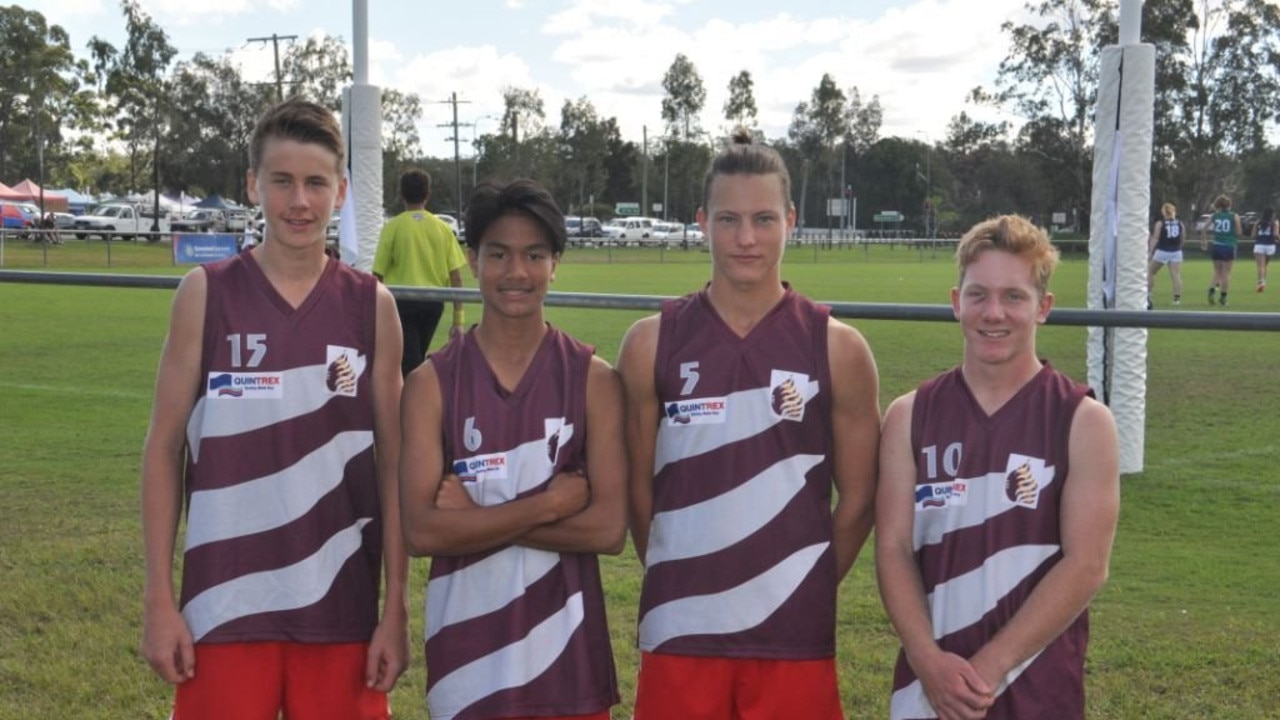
1224	228
1266	234
739	561
1170	239
986	531
283	539
516	631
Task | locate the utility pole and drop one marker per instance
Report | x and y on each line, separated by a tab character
644	170
457	154
275	42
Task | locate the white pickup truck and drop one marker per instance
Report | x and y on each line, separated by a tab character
121	221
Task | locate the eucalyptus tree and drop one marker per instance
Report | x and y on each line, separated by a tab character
740	108
213	112
685	97
1050	76
41	90
583	149
135	87
806	142
317	69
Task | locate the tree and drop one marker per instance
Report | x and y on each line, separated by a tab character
686	95
583	142
1051	76
522	117
135	85
740	108
862	122
207	148
317	70
828	122
40	88
806	140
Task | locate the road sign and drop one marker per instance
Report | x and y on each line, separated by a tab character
627	208
888	216
836	207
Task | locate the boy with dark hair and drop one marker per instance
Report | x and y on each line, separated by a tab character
512	479
276	418
416	248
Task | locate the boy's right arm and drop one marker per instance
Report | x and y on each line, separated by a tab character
636	360
166	641
953	686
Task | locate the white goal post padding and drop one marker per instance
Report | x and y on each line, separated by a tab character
362	127
1117	357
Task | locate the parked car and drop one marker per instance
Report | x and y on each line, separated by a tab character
630	230
202	220
122	221
331	230
452	222
667	231
13	217
583	227
237	219
63	221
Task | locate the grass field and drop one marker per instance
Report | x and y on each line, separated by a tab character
1186	628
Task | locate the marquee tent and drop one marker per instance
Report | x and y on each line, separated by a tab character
76	202
27	190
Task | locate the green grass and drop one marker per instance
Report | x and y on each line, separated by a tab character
1186	628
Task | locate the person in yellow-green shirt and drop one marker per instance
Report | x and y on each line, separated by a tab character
417	248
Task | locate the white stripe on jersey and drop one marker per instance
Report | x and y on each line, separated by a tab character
716	523
273	500
527	466
733	610
985	499
288	588
485	586
749	413
304	390
515	665
964	599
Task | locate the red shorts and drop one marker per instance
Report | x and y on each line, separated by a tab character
712	688
256	681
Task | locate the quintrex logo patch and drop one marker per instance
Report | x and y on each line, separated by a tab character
231	386
703	411
490	467
939	495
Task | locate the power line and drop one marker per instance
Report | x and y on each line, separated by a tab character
275	42
457	156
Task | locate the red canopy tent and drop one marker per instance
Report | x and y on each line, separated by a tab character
27	190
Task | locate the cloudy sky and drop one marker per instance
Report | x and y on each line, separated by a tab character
921	57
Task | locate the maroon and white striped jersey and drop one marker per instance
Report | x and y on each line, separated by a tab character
740	561
515	631
283	539
986	531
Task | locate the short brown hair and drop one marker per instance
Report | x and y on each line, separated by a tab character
415	186
299	120
1013	234
1222	202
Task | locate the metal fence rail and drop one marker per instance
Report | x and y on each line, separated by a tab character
1077	317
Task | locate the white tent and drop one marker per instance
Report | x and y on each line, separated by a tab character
167	204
